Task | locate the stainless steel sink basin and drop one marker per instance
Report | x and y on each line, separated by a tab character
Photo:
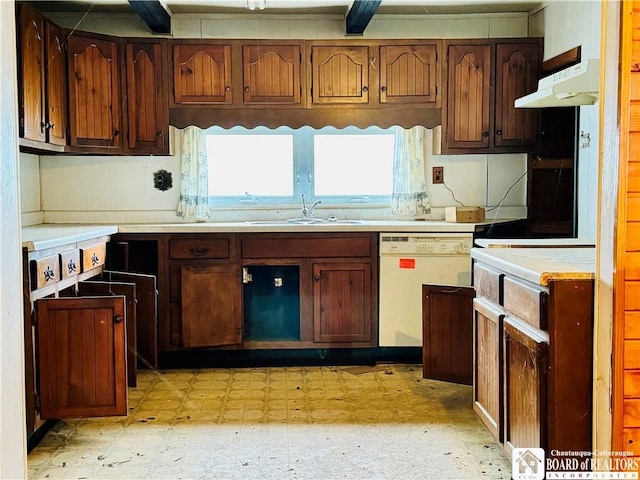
306	221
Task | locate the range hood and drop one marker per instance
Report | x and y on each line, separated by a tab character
575	85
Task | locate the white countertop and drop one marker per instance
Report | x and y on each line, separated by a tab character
533	242
41	237
540	265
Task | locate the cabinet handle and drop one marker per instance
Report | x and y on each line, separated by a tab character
227	88
485	134
198	251
365	89
118	319
50	125
42	126
499	132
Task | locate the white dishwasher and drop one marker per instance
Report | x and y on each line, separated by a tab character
407	261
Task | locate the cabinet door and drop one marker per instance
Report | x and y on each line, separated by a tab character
202	74
128	290
447	346
340	74
408	74
31	74
468	96
342	302
56	85
147	99
82	357
94	92
516	76
525	385
211	305
271	74
487	366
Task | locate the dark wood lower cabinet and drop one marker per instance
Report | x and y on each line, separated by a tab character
447	346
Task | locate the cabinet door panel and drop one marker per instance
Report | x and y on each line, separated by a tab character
31	65
271	74
408	74
202	74
147	103
469	96
487	366
82	357
525	354
516	76
342	302
340	74
211	305
56	86
94	95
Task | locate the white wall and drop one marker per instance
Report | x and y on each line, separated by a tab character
565	25
120	189
13	435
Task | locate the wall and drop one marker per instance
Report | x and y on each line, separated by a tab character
13	435
119	189
565	25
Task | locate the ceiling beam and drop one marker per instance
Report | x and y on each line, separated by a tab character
154	15
360	14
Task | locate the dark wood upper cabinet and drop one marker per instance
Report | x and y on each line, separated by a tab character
271	74
147	97
516	76
82	357
94	91
483	80
202	73
339	74
56	85
409	74
469	96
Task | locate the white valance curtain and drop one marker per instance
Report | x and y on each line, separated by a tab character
409	196
194	180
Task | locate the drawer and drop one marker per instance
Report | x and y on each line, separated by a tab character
93	257
190	248
44	272
488	283
321	247
69	263
526	301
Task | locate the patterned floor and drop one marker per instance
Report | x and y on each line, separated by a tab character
382	422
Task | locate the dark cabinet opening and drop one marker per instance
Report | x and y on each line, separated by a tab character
271	303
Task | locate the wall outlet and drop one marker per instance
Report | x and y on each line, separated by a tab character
438	175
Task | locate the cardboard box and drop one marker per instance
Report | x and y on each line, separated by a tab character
464	214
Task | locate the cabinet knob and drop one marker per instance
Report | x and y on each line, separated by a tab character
246	89
118	319
499	132
485	134
365	89
227	88
317	278
159	133
383	89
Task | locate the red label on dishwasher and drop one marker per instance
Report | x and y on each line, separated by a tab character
407	263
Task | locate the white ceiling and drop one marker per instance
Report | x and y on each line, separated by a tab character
409	7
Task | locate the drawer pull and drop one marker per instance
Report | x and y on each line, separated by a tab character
198	251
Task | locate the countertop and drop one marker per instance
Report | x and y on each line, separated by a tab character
43	236
541	265
534	242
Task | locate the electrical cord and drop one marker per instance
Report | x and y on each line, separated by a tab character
452	194
506	193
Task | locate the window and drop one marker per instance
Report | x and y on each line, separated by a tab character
276	166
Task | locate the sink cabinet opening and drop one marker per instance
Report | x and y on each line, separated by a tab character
271	303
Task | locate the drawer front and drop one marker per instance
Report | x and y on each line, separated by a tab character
194	248
70	263
526	301
44	272
93	257
306	247
488	283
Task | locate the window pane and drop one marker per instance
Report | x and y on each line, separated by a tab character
353	165
261	165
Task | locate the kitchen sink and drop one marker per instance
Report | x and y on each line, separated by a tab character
306	221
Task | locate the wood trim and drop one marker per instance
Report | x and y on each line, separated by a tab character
564	60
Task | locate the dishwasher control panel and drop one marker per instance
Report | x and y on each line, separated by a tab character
424	244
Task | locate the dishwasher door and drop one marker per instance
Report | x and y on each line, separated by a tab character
407	261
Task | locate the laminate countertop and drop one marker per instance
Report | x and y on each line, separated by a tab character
534	242
46	235
541	265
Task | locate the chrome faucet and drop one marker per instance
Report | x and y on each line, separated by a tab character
309	212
